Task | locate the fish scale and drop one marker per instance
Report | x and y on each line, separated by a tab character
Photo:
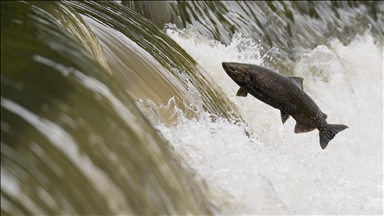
283	93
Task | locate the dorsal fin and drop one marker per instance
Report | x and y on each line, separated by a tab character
298	81
242	92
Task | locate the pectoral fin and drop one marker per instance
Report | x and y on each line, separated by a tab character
284	116
298	81
242	92
302	127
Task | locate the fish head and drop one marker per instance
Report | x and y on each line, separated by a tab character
240	73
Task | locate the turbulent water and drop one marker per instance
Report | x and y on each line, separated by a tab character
124	108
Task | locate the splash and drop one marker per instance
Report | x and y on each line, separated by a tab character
272	170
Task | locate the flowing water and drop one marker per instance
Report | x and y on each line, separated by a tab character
124	108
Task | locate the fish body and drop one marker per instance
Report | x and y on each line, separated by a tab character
283	93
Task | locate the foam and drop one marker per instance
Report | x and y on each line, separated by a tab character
274	170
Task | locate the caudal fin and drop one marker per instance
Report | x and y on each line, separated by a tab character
329	132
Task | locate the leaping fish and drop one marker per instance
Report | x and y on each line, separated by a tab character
283	93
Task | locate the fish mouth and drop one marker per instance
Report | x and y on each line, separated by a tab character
226	66
237	72
230	69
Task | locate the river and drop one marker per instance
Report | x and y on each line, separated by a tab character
123	108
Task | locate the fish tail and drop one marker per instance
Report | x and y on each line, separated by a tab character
329	132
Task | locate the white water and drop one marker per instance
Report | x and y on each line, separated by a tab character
274	170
